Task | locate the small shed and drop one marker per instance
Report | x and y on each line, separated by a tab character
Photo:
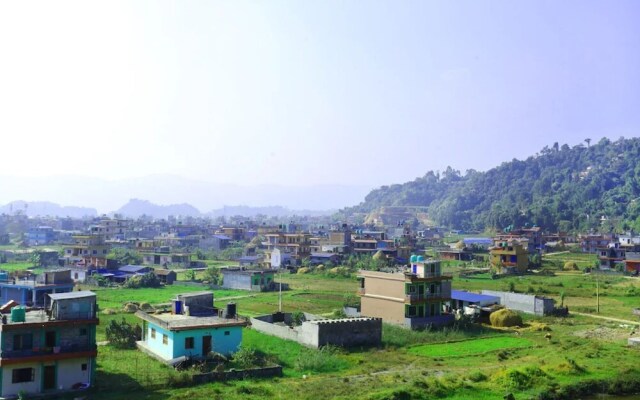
135	269
73	305
166	276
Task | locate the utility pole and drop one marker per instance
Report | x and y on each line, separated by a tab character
597	294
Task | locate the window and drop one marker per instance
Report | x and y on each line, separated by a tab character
153	333
23	341
188	343
411	311
165	339
20	375
83	331
83	367
227	333
95	252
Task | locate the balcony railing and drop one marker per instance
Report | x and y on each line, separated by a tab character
42	351
426	296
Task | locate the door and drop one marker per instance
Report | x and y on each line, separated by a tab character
50	339
49	378
206	345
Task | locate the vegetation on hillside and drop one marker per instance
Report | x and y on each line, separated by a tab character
559	188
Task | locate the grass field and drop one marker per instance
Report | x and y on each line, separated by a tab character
469	347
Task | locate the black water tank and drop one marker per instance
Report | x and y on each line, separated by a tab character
231	310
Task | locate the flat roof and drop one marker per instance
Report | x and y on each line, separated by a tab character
179	322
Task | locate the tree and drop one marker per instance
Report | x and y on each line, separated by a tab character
148	280
35	259
212	275
588	141
122	334
125	256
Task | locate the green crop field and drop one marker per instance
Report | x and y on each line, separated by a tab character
469	347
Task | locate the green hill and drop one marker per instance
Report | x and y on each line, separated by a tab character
561	187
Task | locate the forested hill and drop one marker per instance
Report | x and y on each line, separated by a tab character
561	187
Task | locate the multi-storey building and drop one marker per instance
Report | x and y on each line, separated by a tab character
415	298
87	251
297	246
509	257
45	351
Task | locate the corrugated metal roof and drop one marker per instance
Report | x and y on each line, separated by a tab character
470	297
72	295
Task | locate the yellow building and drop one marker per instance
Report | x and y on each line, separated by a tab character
509	257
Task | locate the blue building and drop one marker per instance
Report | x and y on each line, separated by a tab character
33	291
40	235
193	329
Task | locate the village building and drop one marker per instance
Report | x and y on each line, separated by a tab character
509	257
192	330
32	291
414	298
259	280
52	350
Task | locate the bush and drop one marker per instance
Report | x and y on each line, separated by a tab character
122	334
505	318
323	360
148	280
246	357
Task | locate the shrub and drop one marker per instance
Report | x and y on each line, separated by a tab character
477	376
519	379
148	280
505	318
122	334
323	360
246	357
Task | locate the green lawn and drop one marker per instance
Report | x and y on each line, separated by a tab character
469	347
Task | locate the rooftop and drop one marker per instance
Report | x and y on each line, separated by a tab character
72	295
180	322
471	297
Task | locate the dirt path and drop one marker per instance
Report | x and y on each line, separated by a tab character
623	321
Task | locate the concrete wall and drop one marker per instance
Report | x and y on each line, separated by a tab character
12	389
523	302
316	333
70	372
236	281
345	332
390	310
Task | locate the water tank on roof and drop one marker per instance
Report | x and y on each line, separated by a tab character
18	314
420	259
230	310
413	258
4	277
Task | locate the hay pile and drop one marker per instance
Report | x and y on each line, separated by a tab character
505	318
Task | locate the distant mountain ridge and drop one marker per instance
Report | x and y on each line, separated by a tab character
135	208
47	208
596	186
108	195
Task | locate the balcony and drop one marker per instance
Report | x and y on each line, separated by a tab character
45	351
419	322
414	297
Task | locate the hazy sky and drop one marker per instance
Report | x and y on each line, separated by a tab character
309	92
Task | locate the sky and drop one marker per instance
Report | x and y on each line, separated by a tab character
308	92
